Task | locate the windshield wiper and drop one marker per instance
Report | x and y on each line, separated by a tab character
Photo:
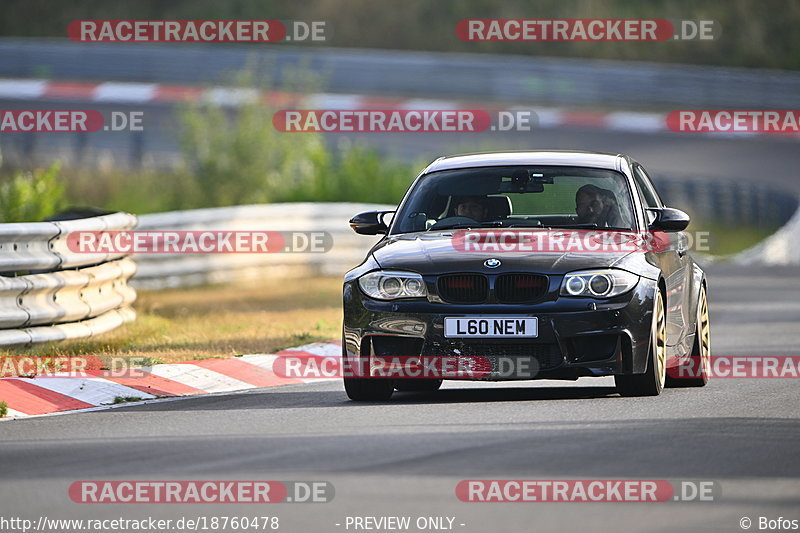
462	225
588	226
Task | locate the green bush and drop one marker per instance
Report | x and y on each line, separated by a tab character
3	409
237	156
353	173
31	196
233	155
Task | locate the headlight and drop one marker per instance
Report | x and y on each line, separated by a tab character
392	284
598	283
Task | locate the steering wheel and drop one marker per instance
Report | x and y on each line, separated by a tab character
455	221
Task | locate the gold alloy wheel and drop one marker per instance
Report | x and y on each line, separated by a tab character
654	378
660	345
704	331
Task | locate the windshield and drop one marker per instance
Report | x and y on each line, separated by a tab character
517	196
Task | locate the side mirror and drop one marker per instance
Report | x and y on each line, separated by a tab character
370	223
669	219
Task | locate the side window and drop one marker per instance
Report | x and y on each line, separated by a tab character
645	186
647	194
642	199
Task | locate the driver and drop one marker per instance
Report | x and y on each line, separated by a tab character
473	207
594	205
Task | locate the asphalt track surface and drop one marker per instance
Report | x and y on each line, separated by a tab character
405	457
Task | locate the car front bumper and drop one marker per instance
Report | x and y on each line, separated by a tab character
576	336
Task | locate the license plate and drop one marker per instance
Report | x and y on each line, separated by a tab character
491	327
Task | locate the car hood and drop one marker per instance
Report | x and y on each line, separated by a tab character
435	253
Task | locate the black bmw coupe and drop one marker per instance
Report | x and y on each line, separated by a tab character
526	265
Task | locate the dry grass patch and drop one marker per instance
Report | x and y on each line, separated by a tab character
217	321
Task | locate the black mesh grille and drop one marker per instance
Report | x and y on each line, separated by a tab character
463	288
547	355
391	345
520	288
501	361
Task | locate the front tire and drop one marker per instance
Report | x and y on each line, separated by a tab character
418	385
368	389
364	389
651	383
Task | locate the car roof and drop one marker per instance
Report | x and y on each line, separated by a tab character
530	157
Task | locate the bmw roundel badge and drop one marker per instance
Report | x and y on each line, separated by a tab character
491	263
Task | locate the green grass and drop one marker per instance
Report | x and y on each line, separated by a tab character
126	399
31	196
723	240
346	173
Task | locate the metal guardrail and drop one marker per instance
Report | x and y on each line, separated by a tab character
157	271
510	78
43	245
779	249
728	202
50	293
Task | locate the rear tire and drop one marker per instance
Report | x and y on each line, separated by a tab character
418	385
651	383
699	365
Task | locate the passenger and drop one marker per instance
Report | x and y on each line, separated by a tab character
613	216
473	207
